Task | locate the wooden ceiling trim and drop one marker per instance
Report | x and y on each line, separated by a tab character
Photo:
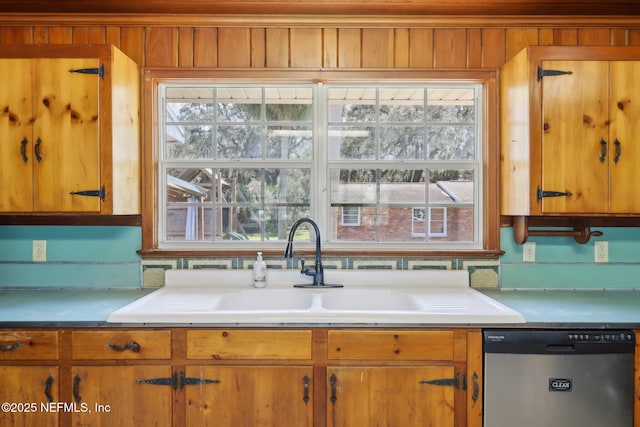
357	21
332	7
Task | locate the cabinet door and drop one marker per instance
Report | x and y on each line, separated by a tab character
234	396
28	390
122	396
66	133
390	396
16	141
625	137
575	137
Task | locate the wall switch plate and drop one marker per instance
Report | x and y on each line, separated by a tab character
529	252
39	252
601	251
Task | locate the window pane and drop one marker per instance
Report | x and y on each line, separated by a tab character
239	142
289	104
451	186
401	143
458	225
189	142
288	186
402	186
451	143
365	231
402	104
350	142
241	104
354	186
451	105
191	222
289	142
353	104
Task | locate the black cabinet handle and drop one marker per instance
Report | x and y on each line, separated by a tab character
10	347
476	388
305	386
76	386
23	150
603	146
47	388
616	157
334	389
37	149
133	346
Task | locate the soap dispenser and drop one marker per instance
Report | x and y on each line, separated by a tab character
259	272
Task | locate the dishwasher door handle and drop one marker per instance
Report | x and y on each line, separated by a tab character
560	348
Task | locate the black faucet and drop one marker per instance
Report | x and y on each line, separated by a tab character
317	272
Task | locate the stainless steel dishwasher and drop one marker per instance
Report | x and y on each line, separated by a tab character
543	378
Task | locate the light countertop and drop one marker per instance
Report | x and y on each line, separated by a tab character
588	308
70	307
63	306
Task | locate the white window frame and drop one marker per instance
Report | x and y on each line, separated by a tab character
319	203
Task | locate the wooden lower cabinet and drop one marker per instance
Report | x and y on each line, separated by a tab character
391	396
235	377
26	393
122	395
252	396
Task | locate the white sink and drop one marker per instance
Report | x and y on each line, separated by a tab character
259	300
368	297
368	300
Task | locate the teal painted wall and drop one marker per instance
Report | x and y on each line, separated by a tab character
562	263
76	256
106	257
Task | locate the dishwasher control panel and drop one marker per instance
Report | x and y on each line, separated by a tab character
555	341
624	336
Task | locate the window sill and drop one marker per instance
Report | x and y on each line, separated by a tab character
219	253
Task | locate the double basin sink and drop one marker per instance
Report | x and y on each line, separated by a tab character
331	299
217	297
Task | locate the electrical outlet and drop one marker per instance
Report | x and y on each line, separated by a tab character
39	253
529	252
601	251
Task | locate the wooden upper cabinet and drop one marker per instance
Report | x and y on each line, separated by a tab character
69	130
568	120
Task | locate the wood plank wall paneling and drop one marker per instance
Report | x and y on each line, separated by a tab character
317	47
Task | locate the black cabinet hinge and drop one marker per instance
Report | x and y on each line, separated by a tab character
99	71
544	73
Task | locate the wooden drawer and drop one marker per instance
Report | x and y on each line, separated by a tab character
248	344
28	345
390	345
121	344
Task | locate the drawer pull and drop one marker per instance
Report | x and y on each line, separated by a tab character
47	388
10	347
133	346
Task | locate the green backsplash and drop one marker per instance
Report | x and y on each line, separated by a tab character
562	263
76	256
106	257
